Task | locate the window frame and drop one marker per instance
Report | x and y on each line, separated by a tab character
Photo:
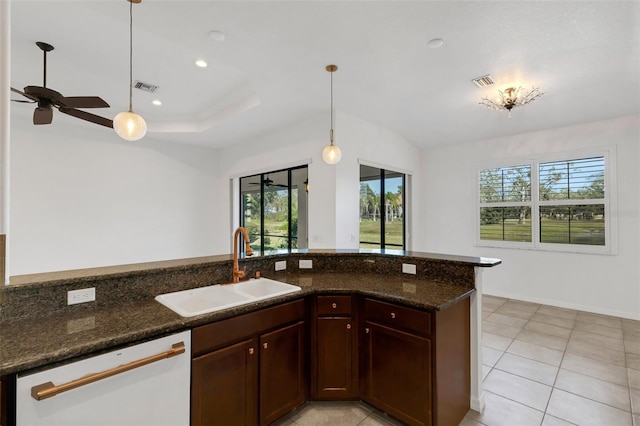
289	170
405	178
609	201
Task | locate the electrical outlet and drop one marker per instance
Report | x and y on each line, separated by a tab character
409	268
281	265
305	264
81	296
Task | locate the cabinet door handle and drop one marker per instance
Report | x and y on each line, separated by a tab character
393	315
251	351
265	345
334	305
48	389
348	326
366	330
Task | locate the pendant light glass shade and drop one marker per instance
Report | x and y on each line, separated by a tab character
331	154
129	126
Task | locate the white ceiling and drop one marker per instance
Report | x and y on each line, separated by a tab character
270	70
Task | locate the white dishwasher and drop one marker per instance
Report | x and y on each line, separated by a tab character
145	384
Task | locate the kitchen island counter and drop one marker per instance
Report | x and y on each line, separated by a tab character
41	340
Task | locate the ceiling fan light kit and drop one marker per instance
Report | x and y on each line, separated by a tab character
331	154
129	125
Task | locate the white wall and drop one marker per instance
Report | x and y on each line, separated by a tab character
82	197
607	284
334	190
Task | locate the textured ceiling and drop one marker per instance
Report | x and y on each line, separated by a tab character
270	70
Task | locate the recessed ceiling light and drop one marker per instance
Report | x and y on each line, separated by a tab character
156	102
201	63
217	35
435	43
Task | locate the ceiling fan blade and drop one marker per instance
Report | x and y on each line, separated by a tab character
82	102
87	116
33	98
42	116
38	92
23	102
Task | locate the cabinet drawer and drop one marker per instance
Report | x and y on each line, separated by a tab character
334	305
211	336
398	316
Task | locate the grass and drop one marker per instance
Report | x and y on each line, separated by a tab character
589	232
370	231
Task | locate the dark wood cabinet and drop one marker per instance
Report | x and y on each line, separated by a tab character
224	386
415	364
249	369
282	372
334	348
3	403
397	362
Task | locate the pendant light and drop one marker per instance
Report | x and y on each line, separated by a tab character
331	154
129	125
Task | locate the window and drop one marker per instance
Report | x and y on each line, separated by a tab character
273	209
505	203
554	205
382	221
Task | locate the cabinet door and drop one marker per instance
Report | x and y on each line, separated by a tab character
335	361
224	386
282	381
397	373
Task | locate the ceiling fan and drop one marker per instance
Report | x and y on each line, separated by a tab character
47	99
269	182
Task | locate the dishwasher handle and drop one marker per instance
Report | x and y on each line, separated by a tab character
48	389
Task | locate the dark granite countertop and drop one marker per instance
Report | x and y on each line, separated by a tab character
42	340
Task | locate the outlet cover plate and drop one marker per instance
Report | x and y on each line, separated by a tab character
305	264
81	296
281	265
409	268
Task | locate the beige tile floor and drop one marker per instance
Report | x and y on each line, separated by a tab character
542	366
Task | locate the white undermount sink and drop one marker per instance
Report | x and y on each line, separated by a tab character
204	300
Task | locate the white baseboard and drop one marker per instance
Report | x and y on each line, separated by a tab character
559	304
477	404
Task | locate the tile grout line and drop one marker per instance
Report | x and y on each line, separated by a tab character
576	322
553	386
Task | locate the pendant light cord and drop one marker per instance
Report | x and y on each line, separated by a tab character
130	55
331	132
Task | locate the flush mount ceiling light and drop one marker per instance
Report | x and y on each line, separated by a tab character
435	43
217	35
129	125
156	102
201	63
331	154
512	98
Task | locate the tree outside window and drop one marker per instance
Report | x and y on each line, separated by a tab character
382	221
272	207
568	208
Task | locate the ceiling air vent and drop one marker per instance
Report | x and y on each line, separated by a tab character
145	86
483	81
